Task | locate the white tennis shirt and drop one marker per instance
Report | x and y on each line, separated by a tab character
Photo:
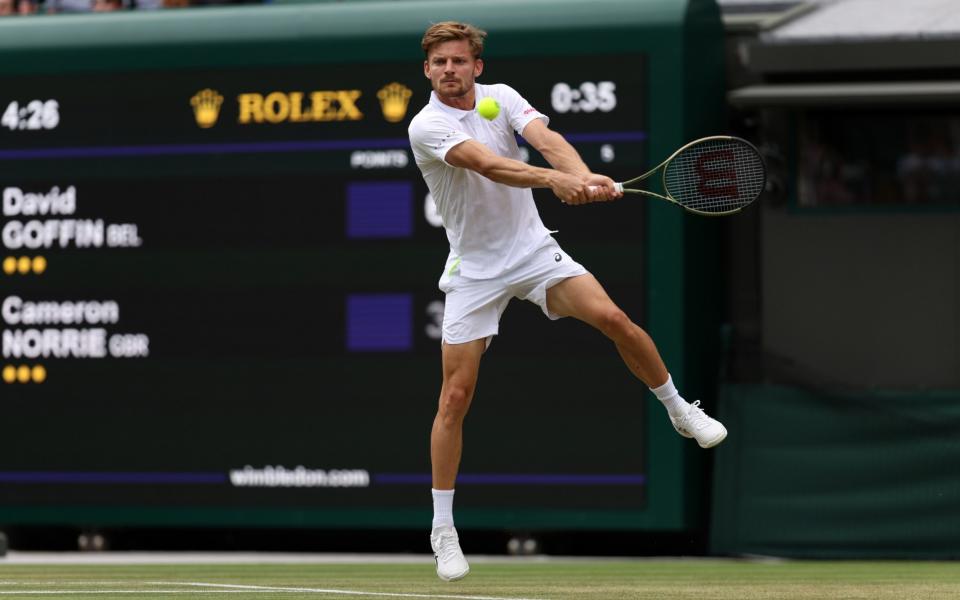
491	226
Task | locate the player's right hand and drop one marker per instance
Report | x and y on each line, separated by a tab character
602	188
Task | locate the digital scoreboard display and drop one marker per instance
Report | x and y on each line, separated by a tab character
219	291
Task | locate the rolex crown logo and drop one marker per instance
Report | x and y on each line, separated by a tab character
206	107
394	98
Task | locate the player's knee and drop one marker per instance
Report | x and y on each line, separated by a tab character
454	403
615	323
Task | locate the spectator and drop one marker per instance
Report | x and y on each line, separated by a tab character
158	4
69	6
6	8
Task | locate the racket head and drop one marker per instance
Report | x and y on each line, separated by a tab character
716	175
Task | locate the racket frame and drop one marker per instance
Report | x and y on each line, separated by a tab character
621	187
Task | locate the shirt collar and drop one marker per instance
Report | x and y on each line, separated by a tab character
453	112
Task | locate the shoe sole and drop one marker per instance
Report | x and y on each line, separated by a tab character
714	441
454	577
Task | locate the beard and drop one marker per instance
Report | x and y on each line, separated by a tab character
446	91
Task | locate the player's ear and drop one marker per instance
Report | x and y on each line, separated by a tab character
478	67
426	69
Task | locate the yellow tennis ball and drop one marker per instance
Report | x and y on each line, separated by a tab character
488	108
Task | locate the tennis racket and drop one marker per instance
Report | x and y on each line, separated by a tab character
717	175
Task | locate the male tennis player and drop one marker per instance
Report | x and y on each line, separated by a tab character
500	249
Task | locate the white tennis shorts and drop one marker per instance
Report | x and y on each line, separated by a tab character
473	306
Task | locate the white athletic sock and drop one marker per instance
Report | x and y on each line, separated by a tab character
442	508
667	394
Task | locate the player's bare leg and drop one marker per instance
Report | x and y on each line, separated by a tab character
583	298
461	366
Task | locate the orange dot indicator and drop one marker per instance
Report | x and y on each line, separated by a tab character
23	265
38	373
23	374
10	265
39	264
9	374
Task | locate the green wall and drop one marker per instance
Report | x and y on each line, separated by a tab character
810	473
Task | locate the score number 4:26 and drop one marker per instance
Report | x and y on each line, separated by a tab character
37	114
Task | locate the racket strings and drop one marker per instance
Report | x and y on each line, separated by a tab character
715	176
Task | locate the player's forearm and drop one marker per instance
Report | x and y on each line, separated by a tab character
562	156
517	174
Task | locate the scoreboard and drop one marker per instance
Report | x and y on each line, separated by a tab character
219	293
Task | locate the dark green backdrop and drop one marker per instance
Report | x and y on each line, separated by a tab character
242	276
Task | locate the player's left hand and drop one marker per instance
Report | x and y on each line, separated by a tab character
601	188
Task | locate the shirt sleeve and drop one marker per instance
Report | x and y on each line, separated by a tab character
434	135
519	111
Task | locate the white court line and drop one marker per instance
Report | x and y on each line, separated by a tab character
125	558
225	588
87	582
332	592
142	592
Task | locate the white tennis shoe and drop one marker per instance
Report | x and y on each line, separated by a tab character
451	565
697	425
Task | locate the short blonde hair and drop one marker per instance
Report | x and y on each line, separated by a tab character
449	31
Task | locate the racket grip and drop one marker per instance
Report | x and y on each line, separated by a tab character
617	185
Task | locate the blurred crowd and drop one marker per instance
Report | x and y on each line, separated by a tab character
30	7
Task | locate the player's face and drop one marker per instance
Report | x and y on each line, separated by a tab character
452	68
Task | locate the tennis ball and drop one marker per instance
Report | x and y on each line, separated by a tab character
488	108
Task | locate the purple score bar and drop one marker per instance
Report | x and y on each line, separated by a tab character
269	147
165	478
108	477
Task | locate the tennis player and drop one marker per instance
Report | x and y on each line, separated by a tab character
500	249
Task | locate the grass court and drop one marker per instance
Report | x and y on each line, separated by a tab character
534	579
